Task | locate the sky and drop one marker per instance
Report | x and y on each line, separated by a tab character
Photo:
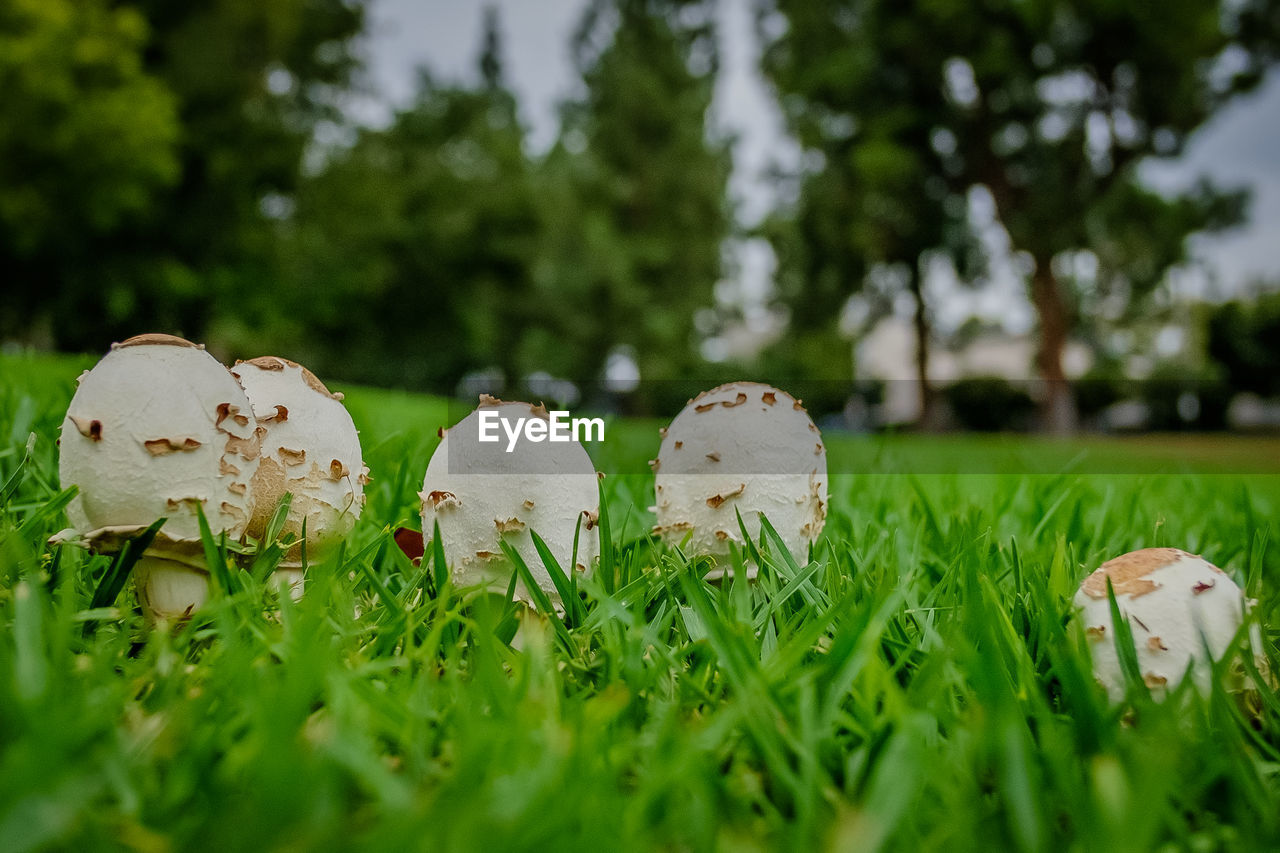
1239	147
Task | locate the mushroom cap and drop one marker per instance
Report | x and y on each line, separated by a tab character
747	448
1171	600
310	448
156	428
480	495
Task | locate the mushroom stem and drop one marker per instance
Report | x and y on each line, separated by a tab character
168	589
290	579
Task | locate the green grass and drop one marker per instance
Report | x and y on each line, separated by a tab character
918	685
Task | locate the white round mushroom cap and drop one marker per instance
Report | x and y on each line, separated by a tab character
742	448
480	494
310	448
1175	603
155	429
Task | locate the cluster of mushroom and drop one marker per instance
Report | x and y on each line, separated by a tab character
742	449
746	451
160	429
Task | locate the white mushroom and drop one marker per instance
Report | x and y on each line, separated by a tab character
481	494
742	448
1175	603
155	429
310	449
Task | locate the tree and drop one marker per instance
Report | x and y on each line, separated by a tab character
420	243
1060	105
1242	338
88	140
247	82
638	182
254	81
856	91
1052	106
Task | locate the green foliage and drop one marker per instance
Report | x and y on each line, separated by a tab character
1065	103
921	683
422	239
635	192
433	238
139	142
1242	339
88	140
89	135
990	404
858	89
1050	107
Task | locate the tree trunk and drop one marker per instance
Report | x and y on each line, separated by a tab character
1057	406
928	421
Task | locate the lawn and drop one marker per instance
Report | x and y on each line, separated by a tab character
919	684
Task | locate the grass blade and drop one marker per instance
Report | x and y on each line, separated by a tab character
607	557
113	579
15	479
540	599
563	587
1125	650
215	555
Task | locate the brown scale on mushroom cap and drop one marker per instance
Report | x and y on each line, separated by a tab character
228	410
510	525
280	415
658	529
292	456
438	497
90	428
716	500
248	448
165	446
766	389
268	485
488	401
235	512
157	339
768	396
275	362
1128	572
